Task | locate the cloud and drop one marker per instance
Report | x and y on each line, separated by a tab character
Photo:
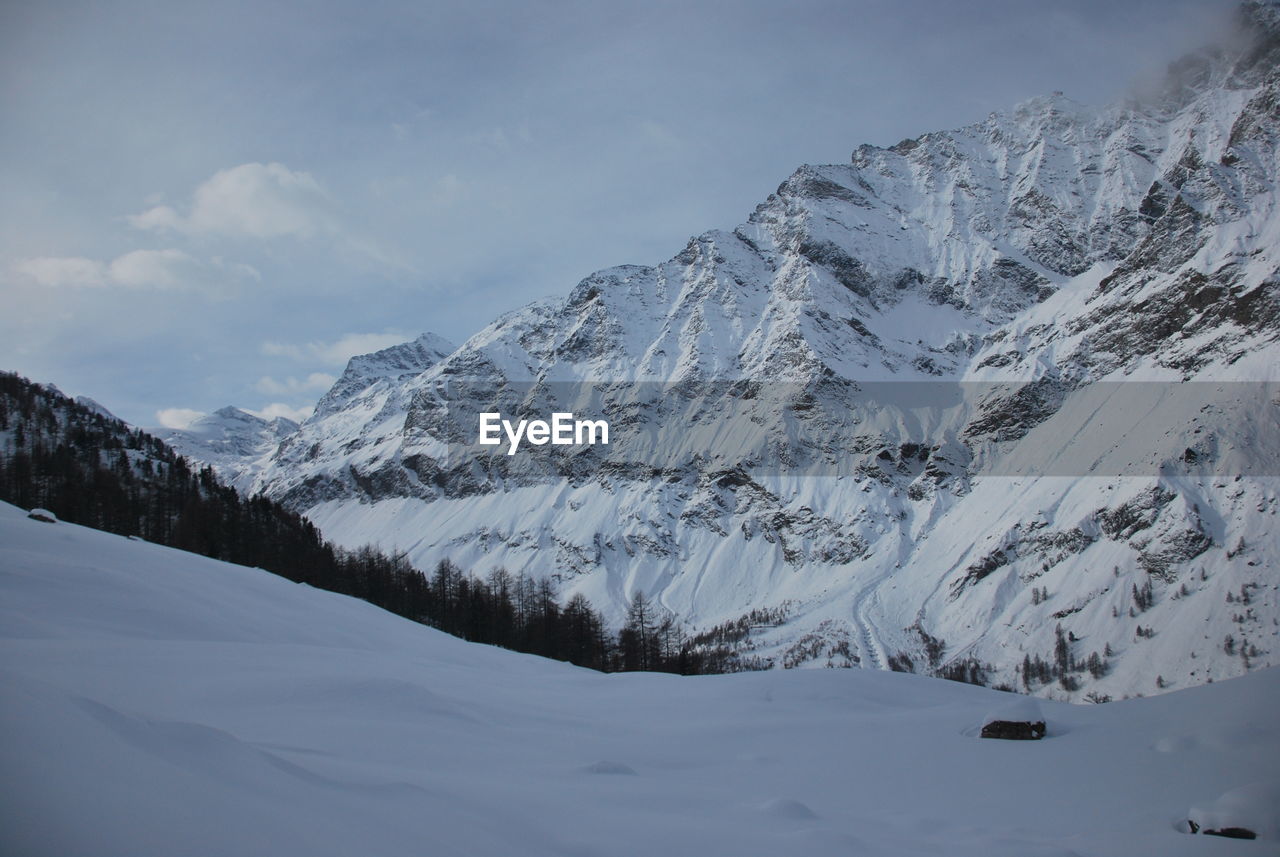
137	269
159	218
280	409
335	353
316	381
253	200
56	272
162	269
178	418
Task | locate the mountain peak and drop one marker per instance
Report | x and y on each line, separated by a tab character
231	412
407	358
1055	102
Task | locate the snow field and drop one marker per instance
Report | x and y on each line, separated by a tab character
161	703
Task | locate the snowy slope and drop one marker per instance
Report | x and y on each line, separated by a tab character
160	703
969	388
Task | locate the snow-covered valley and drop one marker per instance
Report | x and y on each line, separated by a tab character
161	703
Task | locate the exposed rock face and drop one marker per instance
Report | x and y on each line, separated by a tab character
987	382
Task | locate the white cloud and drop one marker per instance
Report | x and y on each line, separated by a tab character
159	218
316	381
280	409
137	269
56	272
249	201
178	418
335	353
163	269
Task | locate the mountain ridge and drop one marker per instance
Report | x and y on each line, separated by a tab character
1046	250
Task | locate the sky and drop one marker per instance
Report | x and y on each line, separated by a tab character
220	203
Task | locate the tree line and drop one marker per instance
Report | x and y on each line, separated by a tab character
91	469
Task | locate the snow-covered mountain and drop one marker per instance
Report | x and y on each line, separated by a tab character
360	420
372	377
236	443
160	703
95	407
240	445
987	399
